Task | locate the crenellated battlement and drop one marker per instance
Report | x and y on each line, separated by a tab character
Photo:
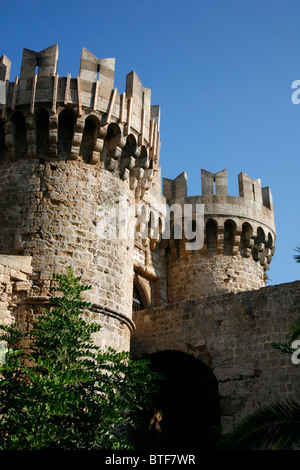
80	186
45	116
239	234
214	188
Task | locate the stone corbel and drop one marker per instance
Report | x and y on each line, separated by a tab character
113	157
30	135
77	138
97	151
115	151
236	241
143	160
100	141
127	164
53	135
136	175
146	181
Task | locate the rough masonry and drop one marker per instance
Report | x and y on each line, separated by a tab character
80	186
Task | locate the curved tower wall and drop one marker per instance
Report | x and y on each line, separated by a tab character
75	156
78	161
238	238
52	214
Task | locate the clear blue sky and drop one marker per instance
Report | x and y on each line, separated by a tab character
221	70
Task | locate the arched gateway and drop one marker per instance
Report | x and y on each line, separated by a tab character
185	412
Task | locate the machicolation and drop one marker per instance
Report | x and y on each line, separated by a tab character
76	157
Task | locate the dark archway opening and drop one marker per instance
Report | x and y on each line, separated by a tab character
229	232
89	139
211	236
137	303
130	147
247	232
18	121
66	127
186	413
42	133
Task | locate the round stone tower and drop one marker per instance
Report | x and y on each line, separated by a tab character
236	236
75	157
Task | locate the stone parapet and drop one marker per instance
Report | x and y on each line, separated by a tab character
47	116
238	236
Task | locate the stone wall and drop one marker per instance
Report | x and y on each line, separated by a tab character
15	286
54	211
18	303
197	275
116	329
232	334
238	236
151	267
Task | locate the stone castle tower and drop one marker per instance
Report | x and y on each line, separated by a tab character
238	239
80	185
71	149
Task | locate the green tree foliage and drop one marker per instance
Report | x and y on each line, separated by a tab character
297	256
64	392
272	427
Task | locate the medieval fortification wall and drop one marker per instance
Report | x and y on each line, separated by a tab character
231	334
56	189
80	186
